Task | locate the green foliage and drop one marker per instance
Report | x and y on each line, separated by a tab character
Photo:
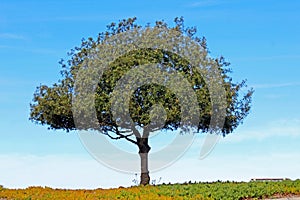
209	191
52	106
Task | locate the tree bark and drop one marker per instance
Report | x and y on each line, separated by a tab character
144	149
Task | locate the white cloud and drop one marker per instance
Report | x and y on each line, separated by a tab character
274	96
58	171
31	50
233	167
276	85
203	4
5	47
11	36
269	58
75	171
279	128
208	3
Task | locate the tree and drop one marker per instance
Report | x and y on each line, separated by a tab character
151	106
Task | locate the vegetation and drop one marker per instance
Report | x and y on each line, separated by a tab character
52	106
214	190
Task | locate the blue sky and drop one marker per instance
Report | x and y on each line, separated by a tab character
259	38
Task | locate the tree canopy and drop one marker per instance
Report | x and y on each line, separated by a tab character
152	106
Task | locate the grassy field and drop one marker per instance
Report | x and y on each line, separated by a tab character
214	190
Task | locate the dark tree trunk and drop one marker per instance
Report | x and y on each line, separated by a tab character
144	149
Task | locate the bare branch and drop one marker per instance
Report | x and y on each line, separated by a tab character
115	129
119	135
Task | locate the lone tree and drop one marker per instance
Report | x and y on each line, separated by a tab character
53	106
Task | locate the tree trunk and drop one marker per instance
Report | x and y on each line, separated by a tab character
144	149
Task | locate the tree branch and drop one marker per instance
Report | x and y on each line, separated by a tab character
120	135
135	131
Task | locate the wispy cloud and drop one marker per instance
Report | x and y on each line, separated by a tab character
206	3
4	82
279	128
11	36
275	85
69	18
234	166
274	96
81	172
5	47
58	171
35	50
269	58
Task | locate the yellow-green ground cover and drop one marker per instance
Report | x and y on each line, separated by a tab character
215	190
